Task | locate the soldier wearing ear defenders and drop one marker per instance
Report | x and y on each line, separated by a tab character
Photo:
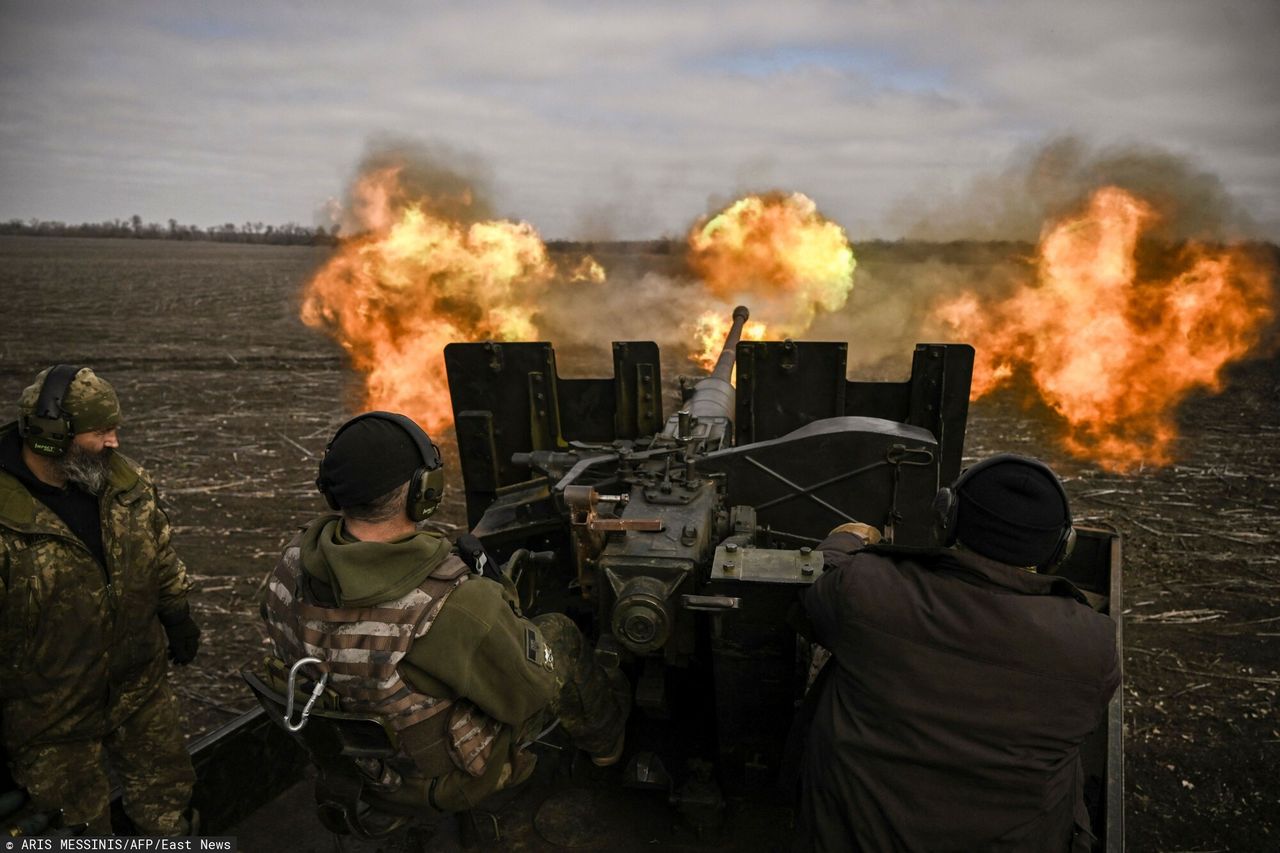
409	633
92	599
962	682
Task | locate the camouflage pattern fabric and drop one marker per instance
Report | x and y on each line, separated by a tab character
71	639
472	733
81	655
90	400
592	703
148	754
361	646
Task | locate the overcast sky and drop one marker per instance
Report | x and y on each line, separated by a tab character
616	119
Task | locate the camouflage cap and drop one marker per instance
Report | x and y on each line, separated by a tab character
90	401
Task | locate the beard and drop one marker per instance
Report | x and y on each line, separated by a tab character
86	468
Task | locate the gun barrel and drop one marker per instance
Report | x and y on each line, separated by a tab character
713	397
724	364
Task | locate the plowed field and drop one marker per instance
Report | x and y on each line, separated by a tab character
228	400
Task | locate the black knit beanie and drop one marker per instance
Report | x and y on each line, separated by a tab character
367	460
1012	511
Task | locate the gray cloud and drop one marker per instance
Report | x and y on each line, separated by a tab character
622	119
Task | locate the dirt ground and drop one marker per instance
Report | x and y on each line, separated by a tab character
229	399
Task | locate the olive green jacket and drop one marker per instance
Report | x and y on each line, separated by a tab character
476	649
79	655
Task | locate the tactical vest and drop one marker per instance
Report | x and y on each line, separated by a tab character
361	647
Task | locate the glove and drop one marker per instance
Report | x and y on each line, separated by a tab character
184	636
869	534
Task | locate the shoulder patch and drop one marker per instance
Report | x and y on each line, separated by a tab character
532	648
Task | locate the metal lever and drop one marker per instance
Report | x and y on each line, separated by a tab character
710	602
582	501
315	694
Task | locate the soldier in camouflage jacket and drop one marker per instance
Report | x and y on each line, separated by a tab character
91	594
406	632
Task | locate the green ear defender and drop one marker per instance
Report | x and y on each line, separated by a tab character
48	430
425	490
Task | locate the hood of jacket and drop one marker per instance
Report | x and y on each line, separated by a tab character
362	574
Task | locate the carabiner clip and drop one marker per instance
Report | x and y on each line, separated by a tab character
315	694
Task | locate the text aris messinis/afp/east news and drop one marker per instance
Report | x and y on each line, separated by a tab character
84	842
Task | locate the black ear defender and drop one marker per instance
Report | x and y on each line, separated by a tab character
945	509
946	506
48	429
322	485
426	485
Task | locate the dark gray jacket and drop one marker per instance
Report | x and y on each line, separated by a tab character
961	693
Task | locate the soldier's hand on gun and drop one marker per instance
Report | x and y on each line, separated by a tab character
184	636
869	534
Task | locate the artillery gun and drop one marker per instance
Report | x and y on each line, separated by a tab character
683	539
680	543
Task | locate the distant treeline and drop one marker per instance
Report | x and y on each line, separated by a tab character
289	234
967	252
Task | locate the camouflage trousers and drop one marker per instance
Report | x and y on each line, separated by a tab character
591	702
149	756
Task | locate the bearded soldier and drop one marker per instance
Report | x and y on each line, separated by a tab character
91	597
407	632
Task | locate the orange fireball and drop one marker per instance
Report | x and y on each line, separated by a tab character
710	331
775	253
415	281
588	269
1112	351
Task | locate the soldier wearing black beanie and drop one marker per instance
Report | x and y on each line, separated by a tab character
409	634
963	686
1012	509
367	459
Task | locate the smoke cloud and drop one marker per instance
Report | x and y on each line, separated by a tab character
1044	182
897	284
634	303
449	183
